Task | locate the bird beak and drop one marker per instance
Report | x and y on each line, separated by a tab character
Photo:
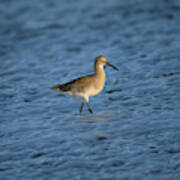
114	67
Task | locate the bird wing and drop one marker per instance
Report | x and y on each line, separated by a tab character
76	85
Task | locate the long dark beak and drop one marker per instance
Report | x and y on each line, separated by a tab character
114	67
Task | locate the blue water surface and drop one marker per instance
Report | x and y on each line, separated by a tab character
134	132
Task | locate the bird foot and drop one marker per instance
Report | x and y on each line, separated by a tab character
90	110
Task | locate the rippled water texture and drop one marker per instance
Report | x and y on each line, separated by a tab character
134	132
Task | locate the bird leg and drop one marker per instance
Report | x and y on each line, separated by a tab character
81	108
89	109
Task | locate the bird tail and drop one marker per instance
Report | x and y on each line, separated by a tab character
57	87
60	87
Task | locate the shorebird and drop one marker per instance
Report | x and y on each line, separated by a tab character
86	86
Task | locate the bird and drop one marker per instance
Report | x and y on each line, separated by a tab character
86	86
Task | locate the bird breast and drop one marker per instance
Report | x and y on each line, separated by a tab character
97	85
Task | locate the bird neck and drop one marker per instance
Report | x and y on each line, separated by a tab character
99	71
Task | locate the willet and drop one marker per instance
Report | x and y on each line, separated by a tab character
87	86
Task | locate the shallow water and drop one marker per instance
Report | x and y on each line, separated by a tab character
134	132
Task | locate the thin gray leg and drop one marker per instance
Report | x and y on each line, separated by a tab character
81	108
89	109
